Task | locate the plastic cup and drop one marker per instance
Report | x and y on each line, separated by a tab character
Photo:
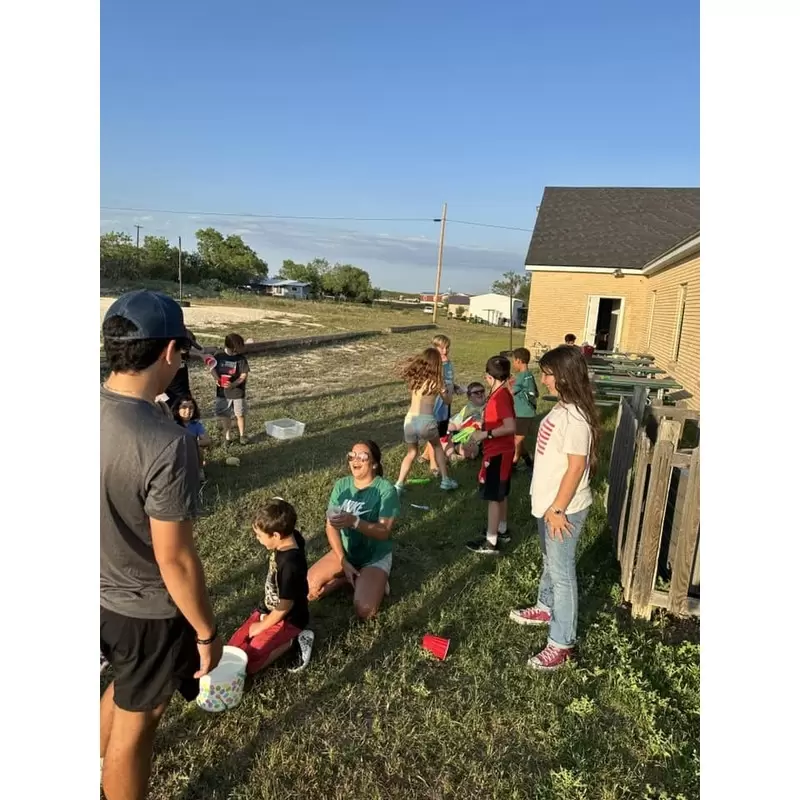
224	381
223	687
333	511
210	362
436	645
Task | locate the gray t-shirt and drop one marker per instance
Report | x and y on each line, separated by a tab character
149	468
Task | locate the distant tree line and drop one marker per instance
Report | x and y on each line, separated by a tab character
223	262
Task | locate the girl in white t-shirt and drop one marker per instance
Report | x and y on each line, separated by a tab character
565	460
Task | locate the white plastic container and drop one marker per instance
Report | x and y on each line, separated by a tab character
285	428
223	687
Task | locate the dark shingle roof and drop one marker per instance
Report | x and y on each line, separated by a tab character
611	227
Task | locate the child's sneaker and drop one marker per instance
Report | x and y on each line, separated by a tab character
304	645
228	437
483	546
530	616
398	487
550	658
504	537
448	484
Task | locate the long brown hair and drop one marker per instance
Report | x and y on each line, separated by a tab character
423	372
568	367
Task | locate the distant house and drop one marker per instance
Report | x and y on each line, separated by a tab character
280	287
620	268
428	298
456	301
495	309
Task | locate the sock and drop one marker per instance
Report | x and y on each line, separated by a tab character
491	538
502	527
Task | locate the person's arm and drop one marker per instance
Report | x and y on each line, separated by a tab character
244	371
171	502
273	618
335	541
180	567
204	440
374	530
576	466
577	442
508	427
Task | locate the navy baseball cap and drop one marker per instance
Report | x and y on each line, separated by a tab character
155	315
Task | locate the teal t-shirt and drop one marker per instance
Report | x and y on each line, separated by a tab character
377	500
525	393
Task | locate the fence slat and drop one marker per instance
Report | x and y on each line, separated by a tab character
619	475
634	519
687	541
652	527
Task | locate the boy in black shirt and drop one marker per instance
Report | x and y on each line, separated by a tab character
231	376
280	621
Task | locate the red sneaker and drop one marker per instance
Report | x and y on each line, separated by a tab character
530	616
550	658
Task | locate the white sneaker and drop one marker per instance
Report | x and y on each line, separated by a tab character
305	642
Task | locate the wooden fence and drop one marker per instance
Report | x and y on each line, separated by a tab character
653	506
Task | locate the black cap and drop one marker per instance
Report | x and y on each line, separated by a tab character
155	315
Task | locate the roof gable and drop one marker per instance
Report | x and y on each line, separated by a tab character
611	227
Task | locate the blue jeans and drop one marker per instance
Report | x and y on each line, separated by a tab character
558	587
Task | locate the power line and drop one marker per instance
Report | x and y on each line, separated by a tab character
310	218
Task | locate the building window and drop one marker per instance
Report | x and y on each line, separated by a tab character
676	350
653	297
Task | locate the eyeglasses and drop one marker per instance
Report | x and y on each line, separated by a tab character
477	392
362	457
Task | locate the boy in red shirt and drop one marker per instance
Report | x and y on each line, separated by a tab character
497	436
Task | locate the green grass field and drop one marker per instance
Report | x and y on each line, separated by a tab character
376	717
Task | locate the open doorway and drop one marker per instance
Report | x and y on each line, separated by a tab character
604	322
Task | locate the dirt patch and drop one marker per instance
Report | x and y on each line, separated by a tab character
211	316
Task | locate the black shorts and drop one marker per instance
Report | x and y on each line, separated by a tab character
524	425
151	658
495	477
442	425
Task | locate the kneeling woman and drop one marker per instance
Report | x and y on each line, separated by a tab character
361	512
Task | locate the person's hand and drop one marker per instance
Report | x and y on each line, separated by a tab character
557	525
210	654
350	572
478	436
341	520
255	629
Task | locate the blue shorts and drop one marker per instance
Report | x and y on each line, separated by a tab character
420	429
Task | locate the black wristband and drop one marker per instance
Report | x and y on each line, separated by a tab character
208	641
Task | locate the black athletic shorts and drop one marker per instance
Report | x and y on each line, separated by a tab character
524	425
442	425
495	477
151	659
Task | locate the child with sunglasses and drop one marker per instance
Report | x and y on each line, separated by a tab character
361	512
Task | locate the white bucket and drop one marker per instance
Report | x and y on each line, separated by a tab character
223	687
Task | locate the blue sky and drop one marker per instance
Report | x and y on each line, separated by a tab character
365	109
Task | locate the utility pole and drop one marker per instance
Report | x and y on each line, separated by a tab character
443	221
180	276
138	252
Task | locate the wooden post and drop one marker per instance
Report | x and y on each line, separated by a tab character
180	275
644	575
439	264
639	402
687	541
634	520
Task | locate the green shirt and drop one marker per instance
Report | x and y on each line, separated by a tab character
376	501
525	393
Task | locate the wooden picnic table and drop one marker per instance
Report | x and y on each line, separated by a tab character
614	354
633	372
629	362
659	385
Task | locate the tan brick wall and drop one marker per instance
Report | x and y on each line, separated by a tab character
557	306
667	287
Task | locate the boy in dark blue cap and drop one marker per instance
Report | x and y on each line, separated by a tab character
157	627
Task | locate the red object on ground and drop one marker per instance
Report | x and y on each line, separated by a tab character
262	646
436	645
